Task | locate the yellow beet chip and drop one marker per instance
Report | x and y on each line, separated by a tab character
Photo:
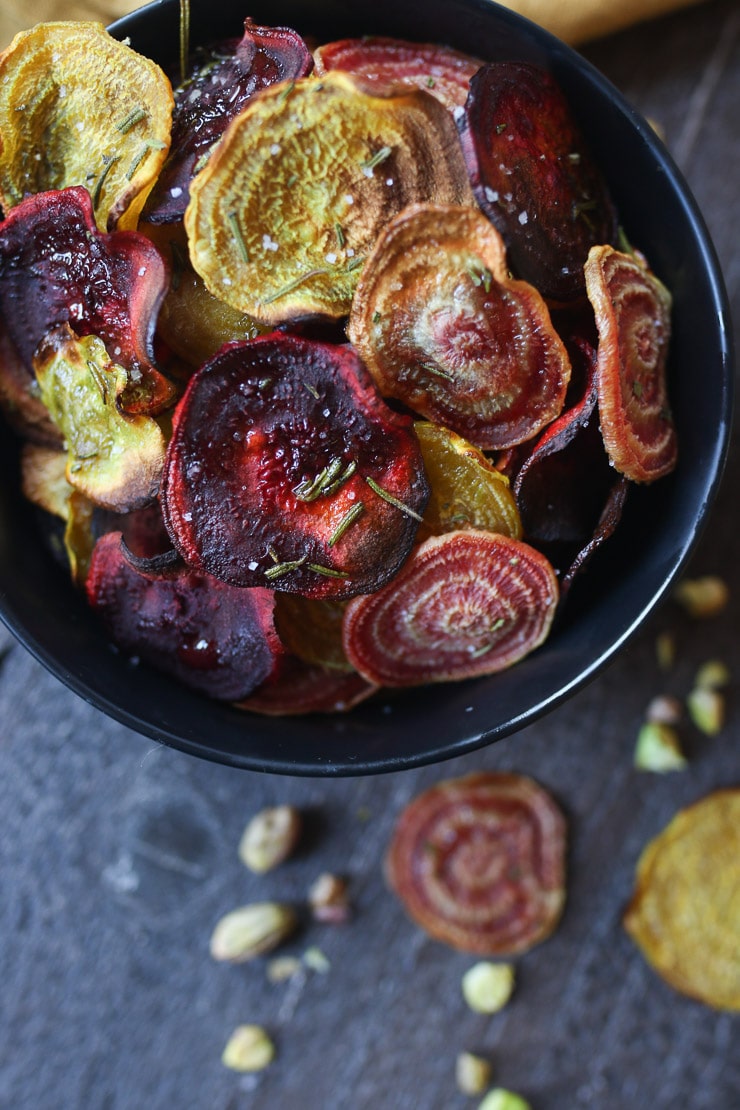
467	491
685	912
114	459
78	107
294	196
44	483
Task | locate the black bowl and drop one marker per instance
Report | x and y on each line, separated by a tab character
626	580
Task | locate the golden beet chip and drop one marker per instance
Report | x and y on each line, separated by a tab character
80	108
467	491
44	483
312	630
442	327
633	317
685	912
295	194
113	458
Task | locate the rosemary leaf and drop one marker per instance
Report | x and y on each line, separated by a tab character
392	500
184	37
328	572
348	519
136	115
284	568
377	159
109	161
291	285
236	231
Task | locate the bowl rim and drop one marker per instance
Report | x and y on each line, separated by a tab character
352	764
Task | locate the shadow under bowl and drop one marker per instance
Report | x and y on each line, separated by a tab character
627	578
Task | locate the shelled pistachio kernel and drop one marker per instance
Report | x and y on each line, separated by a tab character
248	1049
283	968
328	899
706	708
472	1073
251	931
269	838
658	748
712	675
487	986
501	1099
703	597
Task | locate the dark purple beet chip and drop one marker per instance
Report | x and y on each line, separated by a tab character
216	638
561	487
287	469
217	90
534	177
610	517
57	268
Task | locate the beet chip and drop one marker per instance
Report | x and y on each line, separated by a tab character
443	328
216	91
533	176
218	639
57	268
300	687
633	317
383	62
465	604
286	469
478	863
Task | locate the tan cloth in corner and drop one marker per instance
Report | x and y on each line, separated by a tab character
572	20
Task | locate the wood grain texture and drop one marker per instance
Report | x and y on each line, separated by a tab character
118	856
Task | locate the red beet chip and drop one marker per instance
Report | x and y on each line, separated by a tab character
380	62
534	177
479	863
465	604
632	311
300	687
220	86
286	469
442	327
218	639
57	268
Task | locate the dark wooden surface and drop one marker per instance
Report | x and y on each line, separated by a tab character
117	856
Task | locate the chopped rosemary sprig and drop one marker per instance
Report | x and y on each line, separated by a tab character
324	481
109	161
482	276
392	500
485	648
377	159
145	149
437	371
285	92
236	231
377	317
431	82
347	520
285	289
339	232
500	128
328	572
311	389
354	263
136	115
284	568
343	477
203	160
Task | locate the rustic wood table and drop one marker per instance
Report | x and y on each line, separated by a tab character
117	856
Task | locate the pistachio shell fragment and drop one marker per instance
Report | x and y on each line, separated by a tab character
479	862
80	108
464	604
384	62
114	459
442	328
632	311
683	913
292	199
224	80
467	491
